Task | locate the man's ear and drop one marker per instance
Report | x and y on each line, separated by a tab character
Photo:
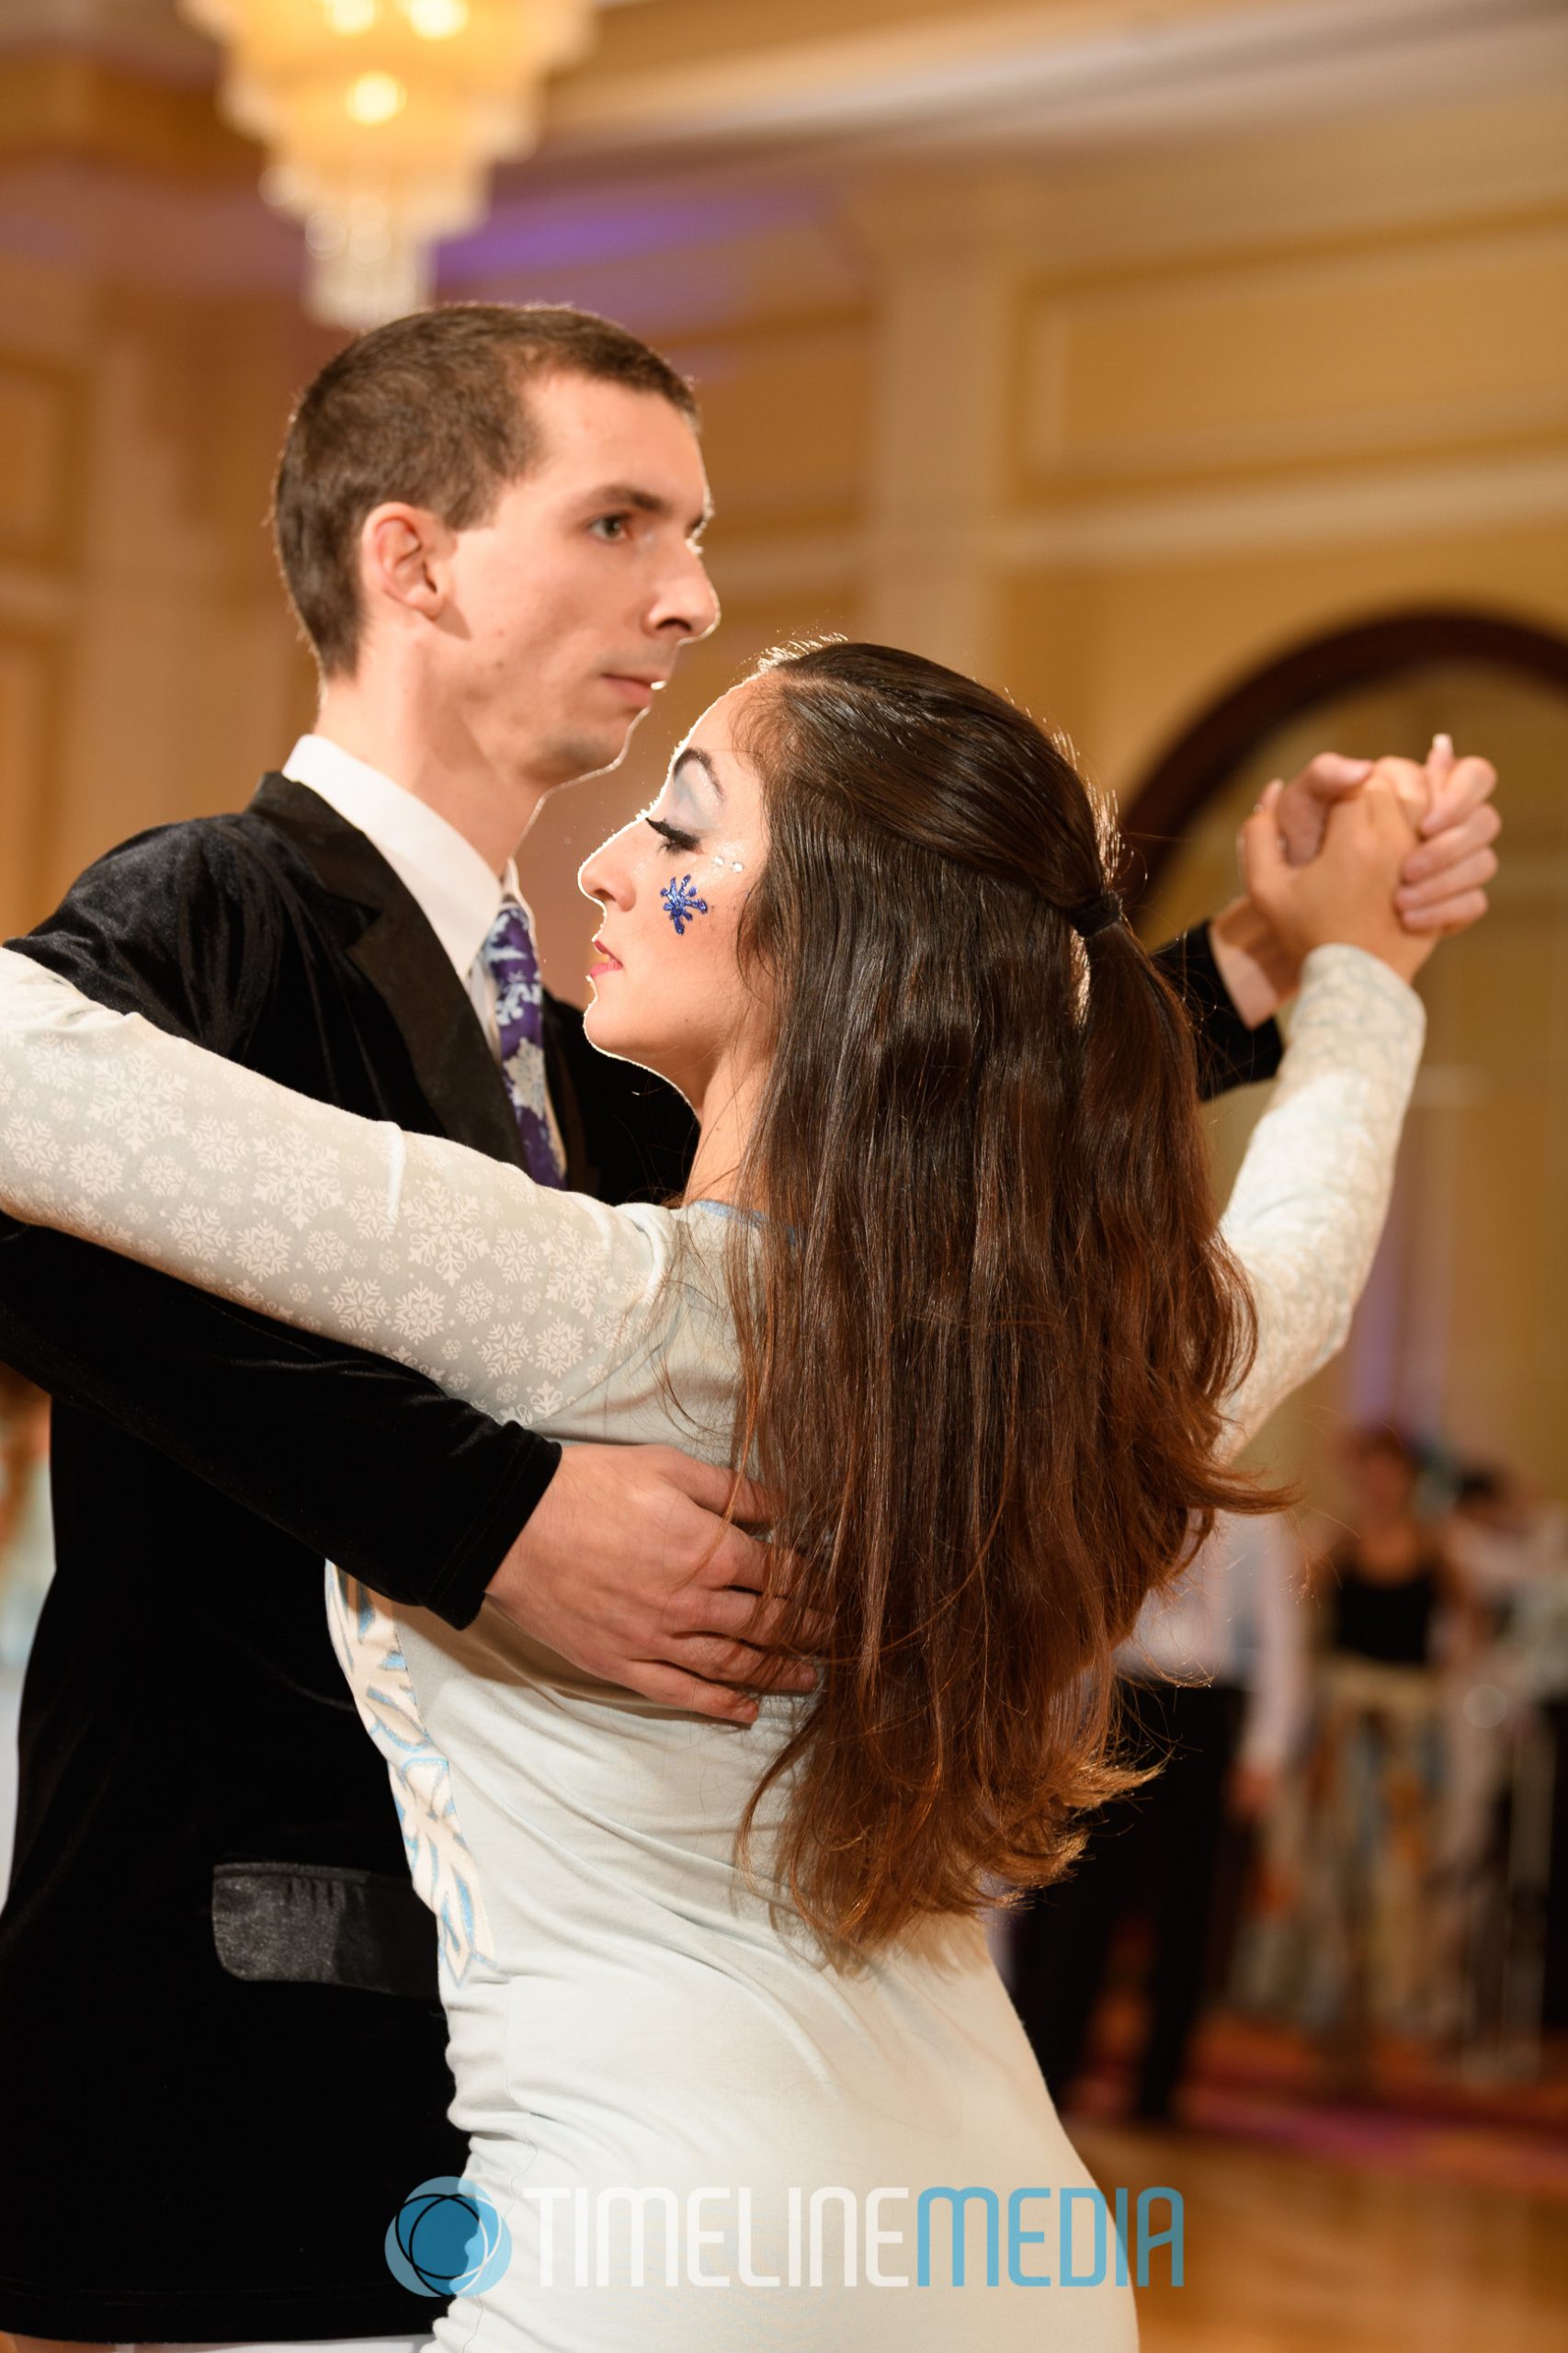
406	560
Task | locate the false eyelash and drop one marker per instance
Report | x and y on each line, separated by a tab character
671	835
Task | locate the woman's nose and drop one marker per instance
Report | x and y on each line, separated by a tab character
604	877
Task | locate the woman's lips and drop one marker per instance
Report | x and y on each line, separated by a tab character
607	963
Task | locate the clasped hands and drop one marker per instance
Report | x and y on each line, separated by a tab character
638	1566
1435	864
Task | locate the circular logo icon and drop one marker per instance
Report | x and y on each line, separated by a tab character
447	2239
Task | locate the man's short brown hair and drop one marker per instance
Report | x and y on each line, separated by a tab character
431	409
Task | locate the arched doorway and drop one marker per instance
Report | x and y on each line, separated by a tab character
1463	1334
1314	676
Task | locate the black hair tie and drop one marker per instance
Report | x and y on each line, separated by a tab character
1095	914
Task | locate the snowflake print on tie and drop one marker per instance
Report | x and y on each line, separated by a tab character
681	902
510	960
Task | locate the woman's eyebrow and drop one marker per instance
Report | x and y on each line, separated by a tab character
693	758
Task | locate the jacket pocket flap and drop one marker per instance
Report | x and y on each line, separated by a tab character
319	1924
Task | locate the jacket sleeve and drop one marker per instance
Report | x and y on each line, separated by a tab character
1229	1053
358	1457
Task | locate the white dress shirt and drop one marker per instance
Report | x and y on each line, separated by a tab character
1237	1616
458	894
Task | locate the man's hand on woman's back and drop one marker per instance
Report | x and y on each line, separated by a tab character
636	1566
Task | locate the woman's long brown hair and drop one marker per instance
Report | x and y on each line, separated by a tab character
987	1322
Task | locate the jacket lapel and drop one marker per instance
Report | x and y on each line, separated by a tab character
406	963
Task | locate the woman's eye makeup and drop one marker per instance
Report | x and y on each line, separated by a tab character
672	836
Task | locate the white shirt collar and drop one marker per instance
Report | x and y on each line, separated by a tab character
456	891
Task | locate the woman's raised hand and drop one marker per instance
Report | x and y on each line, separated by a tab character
1345	895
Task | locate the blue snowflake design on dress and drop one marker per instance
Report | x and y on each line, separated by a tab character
681	902
370	1654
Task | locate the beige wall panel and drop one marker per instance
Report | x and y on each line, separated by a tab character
28	725
186	678
37	439
46	311
1045	657
1308	357
784	421
181	703
126	758
1163	640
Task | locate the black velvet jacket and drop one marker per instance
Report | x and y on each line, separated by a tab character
216	1984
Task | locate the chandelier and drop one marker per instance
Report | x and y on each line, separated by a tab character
383	118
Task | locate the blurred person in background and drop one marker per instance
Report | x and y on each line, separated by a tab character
1383	1589
1541	1634
27	1562
1214	1699
1383	1941
1503	1536
24	1549
1507	1830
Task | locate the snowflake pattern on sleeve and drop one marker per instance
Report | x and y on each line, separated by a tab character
503	1291
536	1303
1309	1203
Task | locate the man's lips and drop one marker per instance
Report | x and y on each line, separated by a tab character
637	687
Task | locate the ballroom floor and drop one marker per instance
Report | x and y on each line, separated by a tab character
1289	2254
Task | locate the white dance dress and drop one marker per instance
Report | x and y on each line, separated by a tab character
659	2072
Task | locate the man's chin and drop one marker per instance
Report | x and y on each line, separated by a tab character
577	757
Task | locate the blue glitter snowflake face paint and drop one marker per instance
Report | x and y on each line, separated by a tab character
681	902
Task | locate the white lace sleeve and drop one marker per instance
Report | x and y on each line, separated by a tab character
1308	1204
525	1300
518	1298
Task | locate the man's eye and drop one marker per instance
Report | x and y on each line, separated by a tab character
610	527
671	835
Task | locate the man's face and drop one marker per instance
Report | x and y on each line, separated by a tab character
571	601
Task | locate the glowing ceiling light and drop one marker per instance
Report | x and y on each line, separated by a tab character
383	118
375	97
436	19
349	16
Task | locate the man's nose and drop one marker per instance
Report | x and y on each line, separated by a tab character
687	605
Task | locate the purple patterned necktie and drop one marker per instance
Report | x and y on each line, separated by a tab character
509	958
